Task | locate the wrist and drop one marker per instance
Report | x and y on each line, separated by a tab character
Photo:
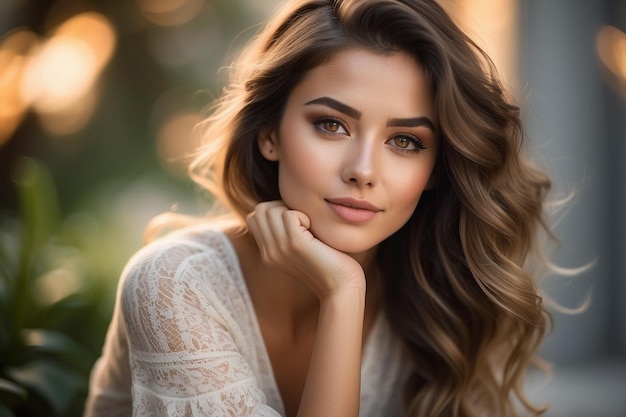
345	298
349	285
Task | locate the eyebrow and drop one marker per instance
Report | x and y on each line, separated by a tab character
412	122
355	114
337	105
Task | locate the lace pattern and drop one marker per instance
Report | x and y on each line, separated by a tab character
184	340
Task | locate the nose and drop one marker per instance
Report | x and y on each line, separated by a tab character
360	164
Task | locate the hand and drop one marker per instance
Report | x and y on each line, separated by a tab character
285	242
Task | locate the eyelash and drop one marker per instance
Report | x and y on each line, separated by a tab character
415	141
329	119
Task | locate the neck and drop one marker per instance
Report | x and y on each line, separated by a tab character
285	299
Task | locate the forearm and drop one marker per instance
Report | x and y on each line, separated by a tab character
333	381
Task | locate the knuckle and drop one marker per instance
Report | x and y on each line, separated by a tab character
275	210
260	208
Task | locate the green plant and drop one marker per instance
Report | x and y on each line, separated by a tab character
51	312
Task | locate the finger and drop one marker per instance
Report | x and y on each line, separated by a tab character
304	220
257	223
251	221
266	205
277	227
267	228
296	222
296	226
260	211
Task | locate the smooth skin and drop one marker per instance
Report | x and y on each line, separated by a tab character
356	148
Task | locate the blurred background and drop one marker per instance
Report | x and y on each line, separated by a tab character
97	103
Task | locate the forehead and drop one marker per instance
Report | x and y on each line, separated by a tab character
392	83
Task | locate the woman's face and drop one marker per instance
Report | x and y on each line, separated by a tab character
356	147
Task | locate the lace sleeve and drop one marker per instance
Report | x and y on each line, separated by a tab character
183	355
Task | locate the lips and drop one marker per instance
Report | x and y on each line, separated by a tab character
353	210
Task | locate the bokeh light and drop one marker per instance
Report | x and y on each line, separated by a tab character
60	77
611	46
14	49
175	141
57	284
95	31
59	74
493	26
170	12
72	117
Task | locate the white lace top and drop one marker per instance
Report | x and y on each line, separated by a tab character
184	341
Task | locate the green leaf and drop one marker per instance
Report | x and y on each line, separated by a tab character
38	202
58	385
40	219
56	344
11	394
62	310
9	271
11	388
9	253
5	412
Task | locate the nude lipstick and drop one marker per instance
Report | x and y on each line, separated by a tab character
353	210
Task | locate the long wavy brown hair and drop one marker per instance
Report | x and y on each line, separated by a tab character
456	286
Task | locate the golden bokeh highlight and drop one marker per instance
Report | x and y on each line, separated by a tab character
59	74
62	73
55	77
57	284
14	51
72	117
611	47
175	141
170	13
493	26
95	31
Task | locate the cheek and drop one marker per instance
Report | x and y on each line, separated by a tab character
305	161
408	189
302	169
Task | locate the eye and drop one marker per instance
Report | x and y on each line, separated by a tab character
407	143
330	125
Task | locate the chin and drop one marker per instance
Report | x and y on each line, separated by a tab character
348	243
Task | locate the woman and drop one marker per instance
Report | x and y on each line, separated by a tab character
384	214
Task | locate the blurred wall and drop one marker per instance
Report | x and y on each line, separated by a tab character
577	125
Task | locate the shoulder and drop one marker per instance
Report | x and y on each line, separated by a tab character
186	279
198	260
198	246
